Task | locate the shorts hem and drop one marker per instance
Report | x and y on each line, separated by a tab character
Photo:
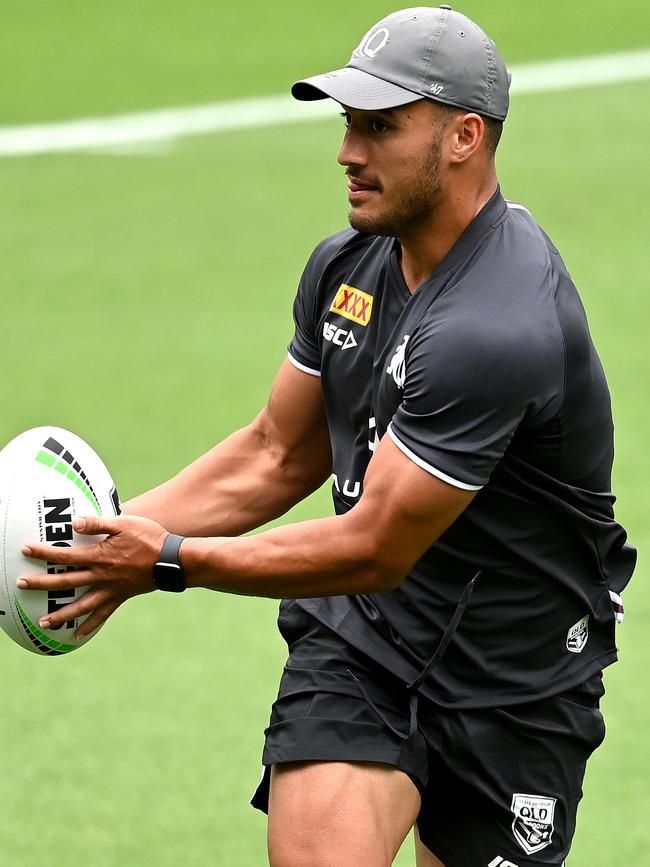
280	757
260	798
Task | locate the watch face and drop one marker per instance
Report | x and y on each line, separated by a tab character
169	576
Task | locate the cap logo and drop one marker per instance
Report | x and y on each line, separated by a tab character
436	89
373	42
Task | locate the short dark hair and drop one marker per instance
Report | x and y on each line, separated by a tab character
493	128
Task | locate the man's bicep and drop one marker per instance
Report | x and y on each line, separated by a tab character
405	507
293	427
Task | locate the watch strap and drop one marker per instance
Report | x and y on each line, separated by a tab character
168	571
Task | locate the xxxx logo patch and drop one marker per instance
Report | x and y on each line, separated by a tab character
353	304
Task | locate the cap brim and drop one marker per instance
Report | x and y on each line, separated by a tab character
353	88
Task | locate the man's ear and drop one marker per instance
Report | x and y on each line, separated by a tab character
468	131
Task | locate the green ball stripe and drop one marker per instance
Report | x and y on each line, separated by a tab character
50	460
38	636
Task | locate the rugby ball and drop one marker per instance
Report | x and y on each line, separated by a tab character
47	477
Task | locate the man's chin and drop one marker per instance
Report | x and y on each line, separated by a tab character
367	224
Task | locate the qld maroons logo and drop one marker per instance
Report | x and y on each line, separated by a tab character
577	636
533	821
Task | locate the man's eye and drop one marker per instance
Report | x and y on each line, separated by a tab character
346	118
378	126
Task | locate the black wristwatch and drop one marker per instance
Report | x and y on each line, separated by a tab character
168	572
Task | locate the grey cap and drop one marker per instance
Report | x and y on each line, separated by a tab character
414	53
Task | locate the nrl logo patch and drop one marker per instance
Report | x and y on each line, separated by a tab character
577	636
533	821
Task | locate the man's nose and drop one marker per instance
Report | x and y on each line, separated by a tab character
352	150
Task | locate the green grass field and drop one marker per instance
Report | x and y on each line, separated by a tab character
130	278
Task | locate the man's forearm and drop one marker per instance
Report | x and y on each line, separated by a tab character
239	485
368	549
322	557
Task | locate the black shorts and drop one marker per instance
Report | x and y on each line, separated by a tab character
499	786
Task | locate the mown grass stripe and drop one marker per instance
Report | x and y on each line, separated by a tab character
136	129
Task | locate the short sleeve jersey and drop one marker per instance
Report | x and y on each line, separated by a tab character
487	378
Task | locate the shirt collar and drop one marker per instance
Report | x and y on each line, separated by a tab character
489	215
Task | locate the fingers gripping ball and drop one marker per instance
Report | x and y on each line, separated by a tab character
48	476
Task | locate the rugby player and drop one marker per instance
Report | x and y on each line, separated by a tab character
448	626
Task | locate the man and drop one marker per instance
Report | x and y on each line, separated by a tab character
448	626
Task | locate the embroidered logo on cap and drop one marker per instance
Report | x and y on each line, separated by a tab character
373	42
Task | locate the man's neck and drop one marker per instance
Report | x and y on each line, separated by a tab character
425	249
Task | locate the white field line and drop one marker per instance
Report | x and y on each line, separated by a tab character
133	132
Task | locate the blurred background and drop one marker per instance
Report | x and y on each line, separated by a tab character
146	300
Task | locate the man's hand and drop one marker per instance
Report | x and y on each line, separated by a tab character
115	569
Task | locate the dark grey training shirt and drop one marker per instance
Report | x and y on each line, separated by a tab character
487	378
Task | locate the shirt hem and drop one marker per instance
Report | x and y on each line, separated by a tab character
375	647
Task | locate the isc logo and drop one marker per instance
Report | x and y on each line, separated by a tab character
353	304
338	336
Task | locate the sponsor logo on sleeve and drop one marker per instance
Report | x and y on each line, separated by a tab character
353	304
338	336
533	821
577	636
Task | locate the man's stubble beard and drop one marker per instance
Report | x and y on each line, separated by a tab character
417	204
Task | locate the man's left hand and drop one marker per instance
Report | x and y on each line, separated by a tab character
115	569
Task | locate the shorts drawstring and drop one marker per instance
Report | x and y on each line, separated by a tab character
439	652
448	634
413	704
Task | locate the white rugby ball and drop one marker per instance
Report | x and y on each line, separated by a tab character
47	477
